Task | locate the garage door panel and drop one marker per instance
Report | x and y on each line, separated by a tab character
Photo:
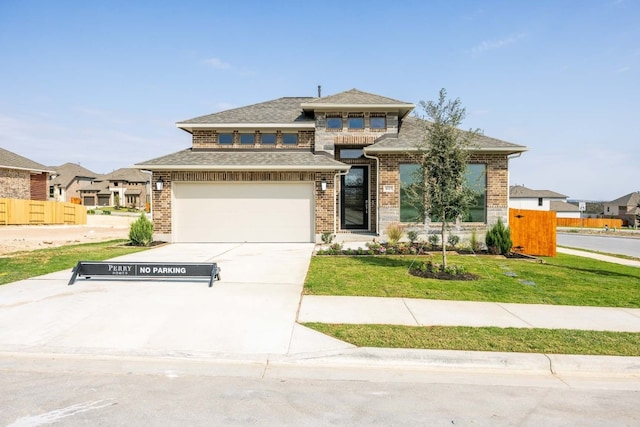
243	212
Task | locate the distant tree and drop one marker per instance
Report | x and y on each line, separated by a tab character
440	193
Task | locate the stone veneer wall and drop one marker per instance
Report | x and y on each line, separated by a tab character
161	200
497	187
15	184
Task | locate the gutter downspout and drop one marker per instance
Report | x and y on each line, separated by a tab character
364	153
509	157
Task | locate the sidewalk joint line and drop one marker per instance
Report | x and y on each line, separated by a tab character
514	315
410	312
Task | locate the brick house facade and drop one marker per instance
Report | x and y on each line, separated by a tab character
345	151
22	178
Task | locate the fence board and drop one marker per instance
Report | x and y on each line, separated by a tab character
590	222
533	232
25	212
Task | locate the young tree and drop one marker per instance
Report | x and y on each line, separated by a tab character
441	194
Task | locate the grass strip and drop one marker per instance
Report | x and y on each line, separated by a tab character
24	265
519	340
562	280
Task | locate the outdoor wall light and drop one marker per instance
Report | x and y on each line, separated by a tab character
159	184
323	184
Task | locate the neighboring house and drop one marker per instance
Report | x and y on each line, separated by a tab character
627	208
521	197
126	187
66	181
290	169
22	178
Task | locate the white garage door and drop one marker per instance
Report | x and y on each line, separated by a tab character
243	212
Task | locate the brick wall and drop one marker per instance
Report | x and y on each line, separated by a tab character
208	139
15	184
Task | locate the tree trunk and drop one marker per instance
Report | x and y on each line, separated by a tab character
444	244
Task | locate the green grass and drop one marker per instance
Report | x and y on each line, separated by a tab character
562	280
521	340
23	265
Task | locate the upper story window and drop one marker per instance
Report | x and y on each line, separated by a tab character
539	201
356	121
334	122
378	122
351	153
290	138
225	138
246	138
268	138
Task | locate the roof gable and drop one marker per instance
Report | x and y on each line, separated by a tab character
631	199
66	173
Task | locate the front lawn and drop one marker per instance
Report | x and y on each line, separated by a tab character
562	280
521	340
23	265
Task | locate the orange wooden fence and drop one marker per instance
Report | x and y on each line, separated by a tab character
590	222
25	212
533	232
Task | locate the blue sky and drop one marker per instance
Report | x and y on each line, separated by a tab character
102	83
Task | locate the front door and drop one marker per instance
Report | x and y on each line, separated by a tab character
354	199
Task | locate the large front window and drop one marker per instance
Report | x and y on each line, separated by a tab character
476	180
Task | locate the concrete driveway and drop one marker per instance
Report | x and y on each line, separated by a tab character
252	310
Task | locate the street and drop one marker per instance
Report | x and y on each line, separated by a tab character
77	392
614	245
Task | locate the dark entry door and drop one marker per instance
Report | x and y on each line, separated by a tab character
354	200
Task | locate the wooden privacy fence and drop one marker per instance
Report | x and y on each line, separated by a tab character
590	222
533	232
26	212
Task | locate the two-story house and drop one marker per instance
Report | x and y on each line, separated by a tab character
290	169
126	187
521	197
627	208
67	180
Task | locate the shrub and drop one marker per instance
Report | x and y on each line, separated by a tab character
327	237
474	242
336	247
453	240
434	239
498	239
394	232
141	232
412	235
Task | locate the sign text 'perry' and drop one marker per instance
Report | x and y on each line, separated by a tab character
89	269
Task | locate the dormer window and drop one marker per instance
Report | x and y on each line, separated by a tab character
225	138
334	122
378	121
246	138
290	138
356	121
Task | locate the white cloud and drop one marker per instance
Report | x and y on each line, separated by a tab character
488	45
217	64
623	69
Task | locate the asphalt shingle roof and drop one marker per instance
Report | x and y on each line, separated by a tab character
11	160
412	131
243	160
631	199
560	206
70	171
520	191
281	110
355	97
126	174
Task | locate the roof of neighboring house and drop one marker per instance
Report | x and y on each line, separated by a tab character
11	160
560	206
520	191
100	187
237	159
631	199
67	173
411	134
126	174
279	111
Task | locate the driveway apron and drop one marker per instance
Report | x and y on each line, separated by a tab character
252	310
